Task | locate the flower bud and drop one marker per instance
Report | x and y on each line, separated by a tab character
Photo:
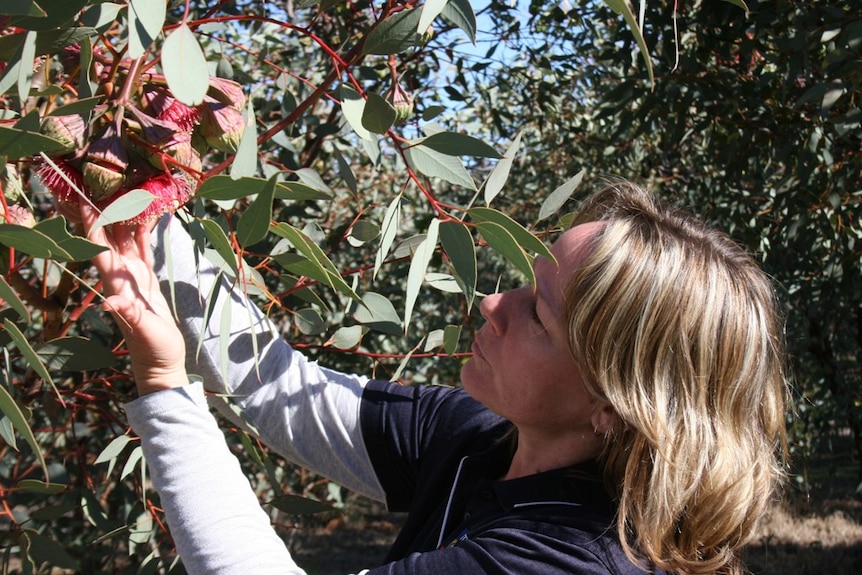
68	130
18	215
401	101
222	125
102	182
105	165
11	184
227	92
160	103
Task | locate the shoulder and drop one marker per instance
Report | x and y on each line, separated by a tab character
427	410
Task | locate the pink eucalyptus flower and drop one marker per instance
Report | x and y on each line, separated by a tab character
63	188
171	193
160	103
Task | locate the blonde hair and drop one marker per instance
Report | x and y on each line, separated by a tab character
676	327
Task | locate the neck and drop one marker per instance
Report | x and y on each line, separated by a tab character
537	454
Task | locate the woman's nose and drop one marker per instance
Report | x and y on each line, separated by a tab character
490	308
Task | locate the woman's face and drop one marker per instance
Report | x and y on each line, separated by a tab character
521	367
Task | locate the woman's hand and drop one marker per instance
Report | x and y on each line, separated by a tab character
133	297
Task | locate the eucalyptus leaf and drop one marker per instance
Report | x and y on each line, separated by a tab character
624	8
59	12
124	208
418	266
25	73
457	144
296	505
254	223
378	115
502	241
8	295
16	416
461	14
146	18
22	8
497	179
43	549
33	242
353	108
18	144
430	10
523	236
75	354
347	337
377	312
394	34
113	449
389	229
220	242
184	64
309	321
434	164
77	248
458	244
451	336
558	197
245	161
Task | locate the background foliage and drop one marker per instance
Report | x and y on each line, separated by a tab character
375	163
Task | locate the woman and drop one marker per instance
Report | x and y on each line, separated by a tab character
625	416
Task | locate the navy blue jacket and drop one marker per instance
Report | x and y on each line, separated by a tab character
439	456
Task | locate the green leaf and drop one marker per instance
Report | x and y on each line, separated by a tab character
33	242
146	18
46	550
59	12
389	230
125	208
316	257
353	108
22	8
456	144
38	486
221	188
558	197
134	458
11	410
395	34
11	298
377	114
75	354
245	161
25	73
309	321
78	248
523	236
47	42
418	265
219	240
739	3
430	10
451	335
80	106
296	505
347	337
502	241
101	16
184	64
364	231
443	282
624	7
436	165
458	244
254	223
497	179
377	312
18	144
460	13
113	449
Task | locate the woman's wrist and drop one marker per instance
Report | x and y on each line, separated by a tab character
153	380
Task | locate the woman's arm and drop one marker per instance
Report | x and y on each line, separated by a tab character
305	412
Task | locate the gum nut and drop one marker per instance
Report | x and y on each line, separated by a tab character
102	182
68	130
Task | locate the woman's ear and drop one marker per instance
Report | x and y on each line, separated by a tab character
604	418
